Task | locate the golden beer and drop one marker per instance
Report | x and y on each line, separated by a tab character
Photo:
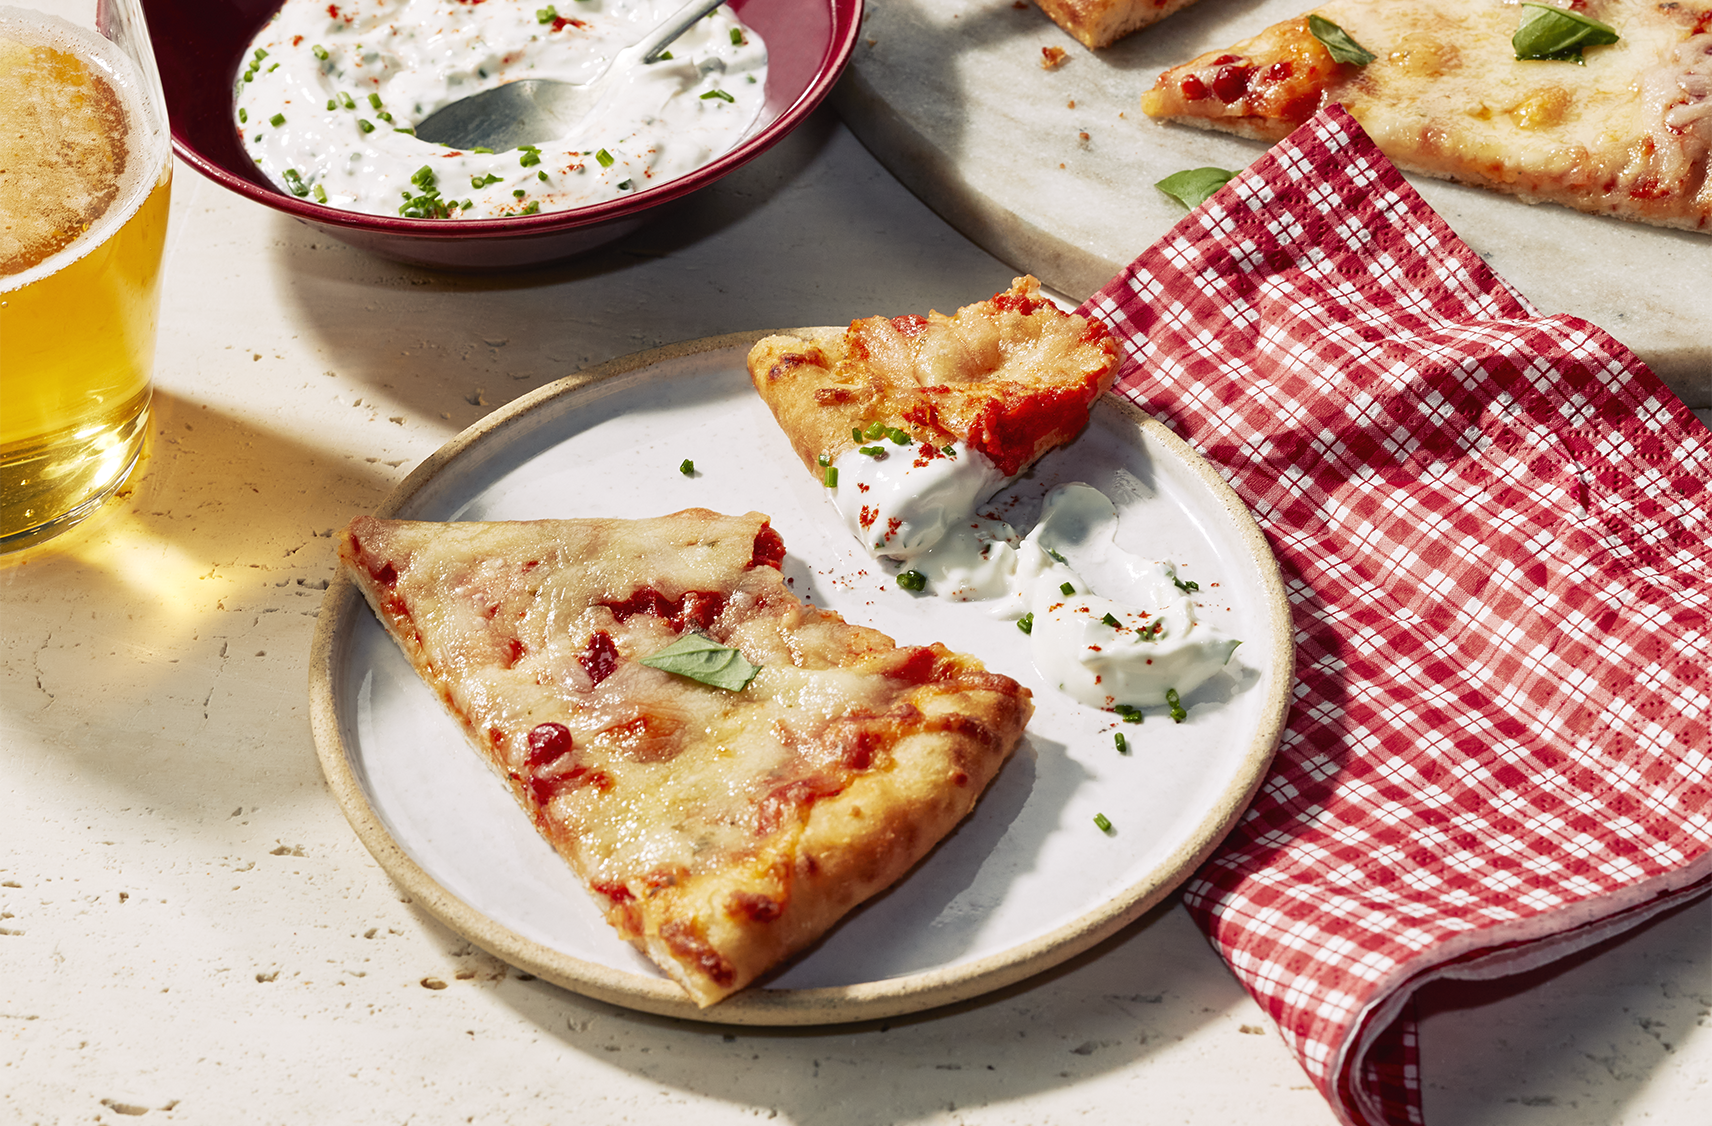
84	187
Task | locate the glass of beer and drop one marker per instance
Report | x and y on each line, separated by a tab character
85	176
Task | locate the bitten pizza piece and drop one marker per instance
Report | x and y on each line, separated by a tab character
912	421
1099	23
728	770
1626	134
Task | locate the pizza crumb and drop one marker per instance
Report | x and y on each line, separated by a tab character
1071	104
1051	58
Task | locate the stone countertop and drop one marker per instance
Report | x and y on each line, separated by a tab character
190	932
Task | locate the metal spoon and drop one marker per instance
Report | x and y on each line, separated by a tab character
537	109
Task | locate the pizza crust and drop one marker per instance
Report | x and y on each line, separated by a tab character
719	831
1100	23
1012	376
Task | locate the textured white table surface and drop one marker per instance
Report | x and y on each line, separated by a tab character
189	932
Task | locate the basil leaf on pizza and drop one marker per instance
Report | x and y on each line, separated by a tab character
1194	186
1342	46
1554	35
703	659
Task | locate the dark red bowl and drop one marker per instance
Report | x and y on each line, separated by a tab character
198	47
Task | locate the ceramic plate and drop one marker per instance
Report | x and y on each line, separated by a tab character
1026	882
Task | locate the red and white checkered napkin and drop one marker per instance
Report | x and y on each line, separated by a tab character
1495	530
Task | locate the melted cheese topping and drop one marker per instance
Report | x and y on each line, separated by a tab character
1628	133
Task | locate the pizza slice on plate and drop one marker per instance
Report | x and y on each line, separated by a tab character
912	421
1610	110
728	770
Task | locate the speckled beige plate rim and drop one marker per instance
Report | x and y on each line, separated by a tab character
760	1005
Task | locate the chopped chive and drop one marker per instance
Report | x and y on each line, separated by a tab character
1129	713
687	467
720	94
480	148
948	450
319	52
294	181
404	129
1189	587
872	451
1066	589
466	205
483	181
1111	621
1121	743
1026	622
856	433
1175	703
249	76
831	476
541	176
532	207
365	126
876	430
912	580
519	193
625	185
374	100
273	68
823	461
385	116
605	158
242	116
1056	556
531	155
547	14
277	120
1104	823
331	104
260	54
736	37
899	437
663	57
320	194
423	177
347	101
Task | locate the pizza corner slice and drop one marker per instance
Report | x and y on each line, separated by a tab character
728	770
911	421
1611	113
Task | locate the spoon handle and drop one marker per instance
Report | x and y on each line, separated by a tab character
675	25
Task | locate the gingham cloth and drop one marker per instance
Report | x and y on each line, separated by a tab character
1494	530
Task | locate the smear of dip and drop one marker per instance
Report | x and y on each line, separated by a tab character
328	95
1132	649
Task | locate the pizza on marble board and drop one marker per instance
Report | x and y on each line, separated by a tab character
1616	128
724	807
1100	23
1011	378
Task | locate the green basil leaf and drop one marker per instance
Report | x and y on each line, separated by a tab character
1192	186
1343	48
703	659
1554	35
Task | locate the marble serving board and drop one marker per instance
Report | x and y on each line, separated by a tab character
1053	170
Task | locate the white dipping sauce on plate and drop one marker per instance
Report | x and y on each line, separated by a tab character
1134	649
329	92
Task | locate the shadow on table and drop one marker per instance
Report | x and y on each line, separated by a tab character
205	575
1573	1043
754	251
1146	989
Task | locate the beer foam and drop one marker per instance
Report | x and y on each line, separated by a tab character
76	151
